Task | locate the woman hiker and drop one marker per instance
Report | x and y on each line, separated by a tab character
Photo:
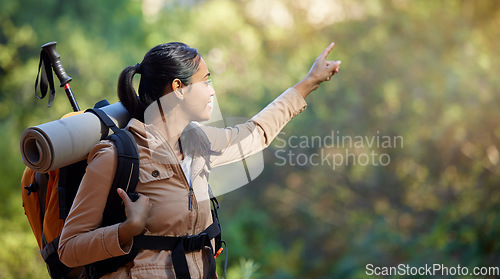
176	156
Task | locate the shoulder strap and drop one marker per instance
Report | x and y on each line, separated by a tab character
127	168
126	177
218	237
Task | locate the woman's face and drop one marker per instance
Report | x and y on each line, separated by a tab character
198	96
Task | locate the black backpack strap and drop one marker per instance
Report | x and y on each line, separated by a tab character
218	238
179	246
50	248
126	177
215	217
55	267
105	120
127	168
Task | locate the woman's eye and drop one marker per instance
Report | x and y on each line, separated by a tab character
208	82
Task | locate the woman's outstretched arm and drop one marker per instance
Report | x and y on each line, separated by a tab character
238	142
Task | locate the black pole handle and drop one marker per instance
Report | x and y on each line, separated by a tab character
55	59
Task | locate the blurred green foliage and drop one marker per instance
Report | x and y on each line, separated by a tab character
423	70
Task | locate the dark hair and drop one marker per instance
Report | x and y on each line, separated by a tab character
160	66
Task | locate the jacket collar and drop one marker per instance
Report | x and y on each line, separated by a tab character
150	138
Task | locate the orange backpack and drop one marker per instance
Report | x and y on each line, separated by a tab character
41	206
47	198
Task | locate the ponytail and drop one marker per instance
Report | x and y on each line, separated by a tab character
126	92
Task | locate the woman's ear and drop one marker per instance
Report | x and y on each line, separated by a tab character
176	88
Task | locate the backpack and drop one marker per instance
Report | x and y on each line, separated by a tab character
47	197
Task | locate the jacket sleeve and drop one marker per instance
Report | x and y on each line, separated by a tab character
82	240
236	143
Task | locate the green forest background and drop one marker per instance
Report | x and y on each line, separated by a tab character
423	70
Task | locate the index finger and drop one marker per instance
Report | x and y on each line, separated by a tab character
327	50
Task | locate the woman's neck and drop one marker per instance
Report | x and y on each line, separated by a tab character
170	121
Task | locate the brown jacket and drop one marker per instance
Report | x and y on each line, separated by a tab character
161	178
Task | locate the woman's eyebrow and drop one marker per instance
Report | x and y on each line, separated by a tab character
207	75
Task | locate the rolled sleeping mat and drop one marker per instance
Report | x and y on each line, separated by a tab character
56	144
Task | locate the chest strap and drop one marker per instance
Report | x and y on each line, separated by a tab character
179	246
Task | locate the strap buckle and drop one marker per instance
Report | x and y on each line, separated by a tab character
195	242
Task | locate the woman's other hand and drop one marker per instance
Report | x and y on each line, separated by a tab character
321	70
137	214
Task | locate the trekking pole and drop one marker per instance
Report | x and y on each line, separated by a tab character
55	59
